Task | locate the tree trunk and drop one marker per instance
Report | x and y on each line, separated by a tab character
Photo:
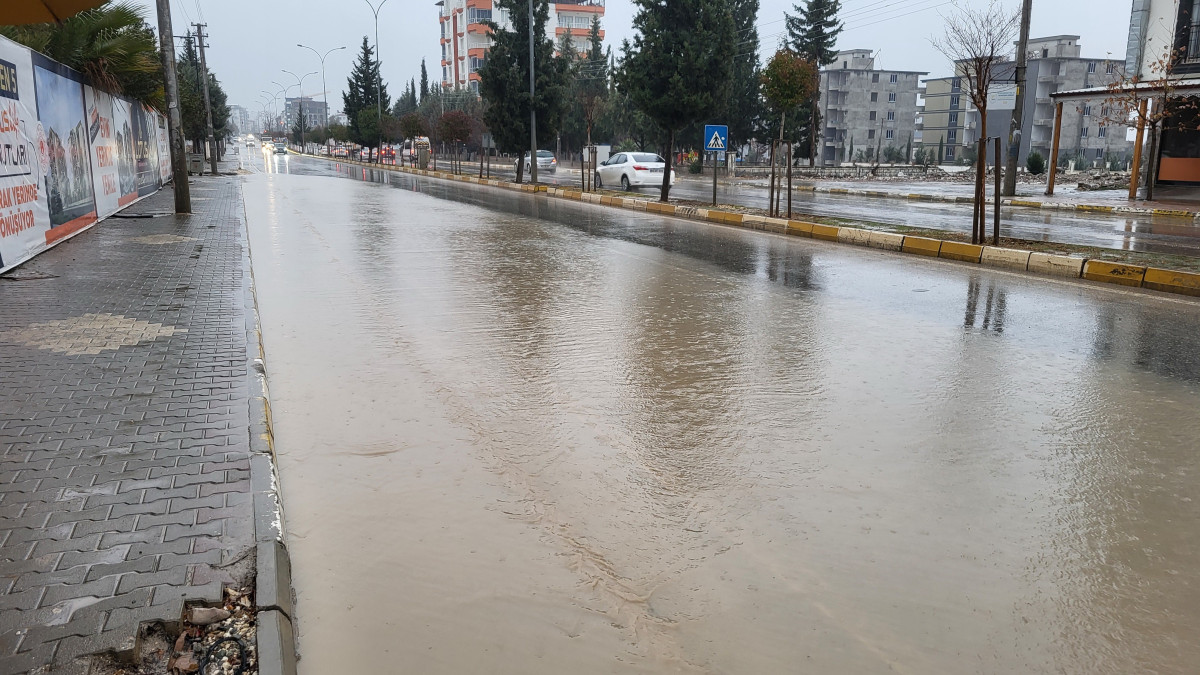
666	184
520	168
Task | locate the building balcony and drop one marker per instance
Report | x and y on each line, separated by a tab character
1043	122
478	29
596	6
575	32
1042	100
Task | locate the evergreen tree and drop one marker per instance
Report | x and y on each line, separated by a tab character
300	128
593	79
424	81
812	33
360	95
745	105
505	81
679	66
191	97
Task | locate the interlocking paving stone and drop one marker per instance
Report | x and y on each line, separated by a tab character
124	442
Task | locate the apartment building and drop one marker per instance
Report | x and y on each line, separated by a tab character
866	109
314	111
465	39
1054	64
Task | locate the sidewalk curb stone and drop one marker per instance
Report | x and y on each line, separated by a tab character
274	603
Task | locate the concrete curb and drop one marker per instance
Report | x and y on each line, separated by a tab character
1015	202
1167	281
274	603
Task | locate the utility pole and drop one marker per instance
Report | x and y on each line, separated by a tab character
1014	134
166	49
212	141
532	108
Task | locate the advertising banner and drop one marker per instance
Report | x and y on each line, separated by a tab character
70	154
68	180
164	150
145	148
112	148
24	220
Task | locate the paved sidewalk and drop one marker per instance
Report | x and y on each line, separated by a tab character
124	473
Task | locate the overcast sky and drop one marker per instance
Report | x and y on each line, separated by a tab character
252	41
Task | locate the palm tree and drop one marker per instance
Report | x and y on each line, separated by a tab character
111	45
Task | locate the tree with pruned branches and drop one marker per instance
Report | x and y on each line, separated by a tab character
978	41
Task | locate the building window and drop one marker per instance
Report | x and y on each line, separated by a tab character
1087	111
952	136
1045	53
1188	31
845	65
870	133
1099	153
1102	132
1083	132
891	116
1104	112
874	97
875	78
890	134
872	116
1092	67
954	101
891	97
478	15
953	119
1110	68
893	78
950	154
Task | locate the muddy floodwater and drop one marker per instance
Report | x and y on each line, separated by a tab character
517	435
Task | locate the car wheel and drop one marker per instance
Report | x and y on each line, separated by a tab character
599	181
625	183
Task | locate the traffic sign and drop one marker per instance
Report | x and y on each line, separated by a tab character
716	137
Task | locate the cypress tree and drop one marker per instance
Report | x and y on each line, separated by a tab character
679	66
424	81
745	105
812	33
504	81
360	94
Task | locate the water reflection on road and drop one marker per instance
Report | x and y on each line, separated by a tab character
519	435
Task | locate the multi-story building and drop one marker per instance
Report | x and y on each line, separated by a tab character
465	39
1089	135
865	109
314	111
942	118
239	119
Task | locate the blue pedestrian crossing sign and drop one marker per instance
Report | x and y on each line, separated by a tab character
716	137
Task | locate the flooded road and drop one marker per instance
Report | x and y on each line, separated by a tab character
519	435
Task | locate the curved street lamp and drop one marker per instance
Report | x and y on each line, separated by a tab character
300	83
325	93
378	76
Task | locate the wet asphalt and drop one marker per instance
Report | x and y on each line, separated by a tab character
522	435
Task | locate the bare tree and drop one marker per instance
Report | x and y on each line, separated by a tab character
977	42
1152	103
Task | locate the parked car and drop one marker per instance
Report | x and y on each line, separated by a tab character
632	169
546	162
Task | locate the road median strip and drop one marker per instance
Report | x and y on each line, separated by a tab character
1164	280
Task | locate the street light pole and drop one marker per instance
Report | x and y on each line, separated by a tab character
325	89
532	107
303	121
378	81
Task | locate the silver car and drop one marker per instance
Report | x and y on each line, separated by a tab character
546	162
632	169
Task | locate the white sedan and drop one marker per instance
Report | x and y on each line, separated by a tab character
632	169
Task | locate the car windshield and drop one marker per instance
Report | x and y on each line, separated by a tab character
647	157
545	153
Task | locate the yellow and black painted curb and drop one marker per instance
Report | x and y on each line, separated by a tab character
1169	281
1022	202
